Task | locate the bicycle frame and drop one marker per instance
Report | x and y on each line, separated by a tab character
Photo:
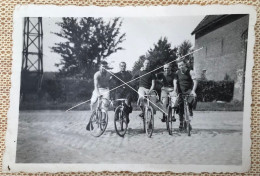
186	106
186	111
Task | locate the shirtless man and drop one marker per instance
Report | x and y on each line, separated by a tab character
101	86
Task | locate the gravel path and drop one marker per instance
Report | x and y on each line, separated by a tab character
59	137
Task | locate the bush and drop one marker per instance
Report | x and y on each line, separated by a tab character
52	88
76	89
209	91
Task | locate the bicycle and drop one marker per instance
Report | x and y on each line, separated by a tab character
187	120
98	120
171	110
120	118
149	115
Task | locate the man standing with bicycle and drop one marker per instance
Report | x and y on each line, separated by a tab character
166	77
123	91
185	83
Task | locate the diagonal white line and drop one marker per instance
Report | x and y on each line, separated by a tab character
135	90
178	59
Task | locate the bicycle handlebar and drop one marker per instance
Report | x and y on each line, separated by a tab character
121	99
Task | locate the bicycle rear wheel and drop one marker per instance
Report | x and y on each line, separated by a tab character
149	121
120	121
169	120
98	122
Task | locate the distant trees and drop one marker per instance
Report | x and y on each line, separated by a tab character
185	48
89	40
162	53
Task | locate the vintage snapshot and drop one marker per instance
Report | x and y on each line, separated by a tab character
131	89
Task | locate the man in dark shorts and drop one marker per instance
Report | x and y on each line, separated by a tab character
124	91
146	84
166	77
186	83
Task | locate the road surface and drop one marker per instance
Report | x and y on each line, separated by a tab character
60	137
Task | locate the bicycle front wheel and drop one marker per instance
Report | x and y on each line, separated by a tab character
98	122
149	121
120	121
169	120
187	120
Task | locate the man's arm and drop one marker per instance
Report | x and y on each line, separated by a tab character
195	83
96	84
133	83
175	87
153	85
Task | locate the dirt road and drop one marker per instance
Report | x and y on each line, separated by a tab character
59	137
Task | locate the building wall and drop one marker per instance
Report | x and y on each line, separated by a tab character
223	51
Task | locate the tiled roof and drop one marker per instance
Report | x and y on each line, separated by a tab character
207	21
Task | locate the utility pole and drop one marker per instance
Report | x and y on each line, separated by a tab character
32	63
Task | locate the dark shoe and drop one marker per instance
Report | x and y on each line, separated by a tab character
164	118
127	120
128	109
173	119
141	115
116	117
190	127
89	126
181	126
191	113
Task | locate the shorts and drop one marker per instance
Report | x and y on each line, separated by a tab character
105	102
154	99
166	91
142	92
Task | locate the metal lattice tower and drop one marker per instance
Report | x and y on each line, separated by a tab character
32	63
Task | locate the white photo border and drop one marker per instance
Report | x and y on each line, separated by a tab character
94	11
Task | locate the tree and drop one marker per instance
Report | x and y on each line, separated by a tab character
88	41
185	48
160	54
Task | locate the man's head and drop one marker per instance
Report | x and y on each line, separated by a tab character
103	65
182	65
146	64
122	66
167	69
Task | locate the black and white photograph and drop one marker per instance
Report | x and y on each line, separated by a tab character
131	89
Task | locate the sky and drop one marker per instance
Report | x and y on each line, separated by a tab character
141	34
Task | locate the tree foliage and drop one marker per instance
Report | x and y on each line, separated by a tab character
185	48
162	53
88	41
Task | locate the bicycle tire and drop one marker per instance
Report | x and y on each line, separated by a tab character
169	120
149	121
187	119
98	122
120	123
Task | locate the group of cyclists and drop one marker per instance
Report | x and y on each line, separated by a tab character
183	81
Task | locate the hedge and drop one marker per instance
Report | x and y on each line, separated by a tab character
208	91
73	90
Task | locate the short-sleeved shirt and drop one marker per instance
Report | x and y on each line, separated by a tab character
124	76
103	79
185	80
167	80
146	80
